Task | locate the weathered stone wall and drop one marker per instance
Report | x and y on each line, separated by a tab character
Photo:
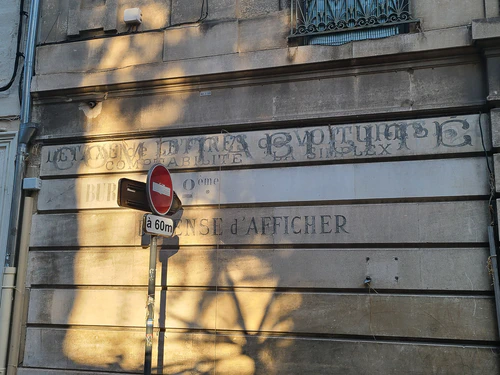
9	115
9	102
303	172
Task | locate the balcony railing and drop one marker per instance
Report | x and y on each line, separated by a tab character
311	17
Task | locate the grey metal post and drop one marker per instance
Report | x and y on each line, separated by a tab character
26	132
494	268
150	306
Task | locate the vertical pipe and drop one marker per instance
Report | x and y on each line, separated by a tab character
494	267
29	60
150	306
26	132
9	278
17	312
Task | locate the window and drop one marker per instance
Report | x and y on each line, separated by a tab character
335	22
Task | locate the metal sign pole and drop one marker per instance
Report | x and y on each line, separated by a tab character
150	306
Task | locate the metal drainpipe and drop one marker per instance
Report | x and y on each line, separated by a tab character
17	311
9	277
26	132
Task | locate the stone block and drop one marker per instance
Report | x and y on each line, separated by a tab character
54	17
263	33
90	15
350	92
53	21
484	29
458	269
207	39
185	11
496	166
9	23
440	85
388	180
10	108
446	13
93	349
192	10
495	126
222	10
415	42
409	223
257	8
492	8
493	74
318	313
100	54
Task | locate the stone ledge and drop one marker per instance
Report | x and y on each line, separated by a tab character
55	78
484	29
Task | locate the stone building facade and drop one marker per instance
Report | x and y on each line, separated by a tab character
336	198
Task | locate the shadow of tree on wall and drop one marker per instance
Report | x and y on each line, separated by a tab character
240	314
207	325
224	307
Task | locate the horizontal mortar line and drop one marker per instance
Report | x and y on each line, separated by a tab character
67	327
299	246
356	247
324	162
372	292
280	335
55	370
333	246
313	203
367	338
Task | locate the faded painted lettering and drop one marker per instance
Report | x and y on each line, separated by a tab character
385	139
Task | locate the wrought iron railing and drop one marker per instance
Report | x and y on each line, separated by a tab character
309	17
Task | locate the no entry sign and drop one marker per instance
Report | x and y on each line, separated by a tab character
159	189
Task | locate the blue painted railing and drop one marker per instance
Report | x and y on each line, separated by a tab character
314	17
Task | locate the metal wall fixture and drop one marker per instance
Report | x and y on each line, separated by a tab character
313	17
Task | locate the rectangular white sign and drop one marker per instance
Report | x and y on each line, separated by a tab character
161	189
161	226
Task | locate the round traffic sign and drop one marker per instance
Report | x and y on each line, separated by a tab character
159	189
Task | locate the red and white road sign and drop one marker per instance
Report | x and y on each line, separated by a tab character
159	189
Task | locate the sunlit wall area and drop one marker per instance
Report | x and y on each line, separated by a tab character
336	198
